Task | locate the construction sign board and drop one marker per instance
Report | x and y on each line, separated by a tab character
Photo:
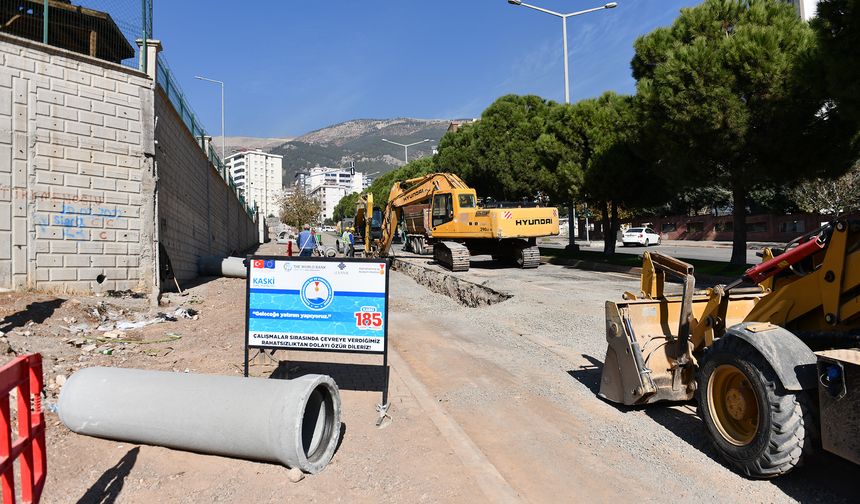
321	304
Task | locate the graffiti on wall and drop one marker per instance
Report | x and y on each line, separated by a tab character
75	221
78	214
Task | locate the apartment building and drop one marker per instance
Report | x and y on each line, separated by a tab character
348	179
259	176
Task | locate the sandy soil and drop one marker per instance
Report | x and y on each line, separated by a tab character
489	404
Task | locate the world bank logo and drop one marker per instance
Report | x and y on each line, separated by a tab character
317	293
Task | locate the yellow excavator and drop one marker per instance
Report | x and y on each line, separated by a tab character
439	212
772	358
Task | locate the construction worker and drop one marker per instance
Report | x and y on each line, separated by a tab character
350	243
306	242
344	240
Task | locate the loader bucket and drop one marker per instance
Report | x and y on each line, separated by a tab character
653	340
642	360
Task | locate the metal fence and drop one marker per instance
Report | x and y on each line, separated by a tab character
105	29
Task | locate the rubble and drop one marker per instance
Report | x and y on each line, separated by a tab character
295	475
128	293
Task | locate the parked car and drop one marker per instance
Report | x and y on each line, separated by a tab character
640	236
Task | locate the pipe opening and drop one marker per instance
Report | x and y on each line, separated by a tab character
318	423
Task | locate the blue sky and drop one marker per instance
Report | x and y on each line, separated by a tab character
294	66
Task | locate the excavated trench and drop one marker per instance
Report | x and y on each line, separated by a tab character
464	292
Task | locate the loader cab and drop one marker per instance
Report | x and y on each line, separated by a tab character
446	205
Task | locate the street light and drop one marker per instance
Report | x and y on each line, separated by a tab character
610	5
406	146
223	136
571	226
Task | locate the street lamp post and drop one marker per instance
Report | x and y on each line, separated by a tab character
610	5
571	226
406	147
223	135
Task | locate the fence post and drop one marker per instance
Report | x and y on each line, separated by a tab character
143	55
45	23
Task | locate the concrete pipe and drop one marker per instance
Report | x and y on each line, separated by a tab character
220	266
292	422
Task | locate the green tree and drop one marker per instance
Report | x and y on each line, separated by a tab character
299	208
833	196
726	101
837	29
382	185
345	207
615	174
498	155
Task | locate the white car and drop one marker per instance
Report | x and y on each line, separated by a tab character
640	236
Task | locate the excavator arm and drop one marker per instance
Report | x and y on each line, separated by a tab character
409	192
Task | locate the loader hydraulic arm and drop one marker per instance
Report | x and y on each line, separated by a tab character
761	272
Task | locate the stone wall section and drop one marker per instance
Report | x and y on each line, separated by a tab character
199	214
86	193
72	160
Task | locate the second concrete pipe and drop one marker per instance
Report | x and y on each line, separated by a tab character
292	422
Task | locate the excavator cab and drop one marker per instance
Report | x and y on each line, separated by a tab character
446	205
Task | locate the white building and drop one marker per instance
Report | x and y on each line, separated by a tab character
805	8
335	177
259	176
329	185
329	196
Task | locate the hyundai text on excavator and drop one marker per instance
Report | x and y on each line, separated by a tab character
772	358
441	212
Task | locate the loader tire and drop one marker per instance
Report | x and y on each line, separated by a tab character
759	427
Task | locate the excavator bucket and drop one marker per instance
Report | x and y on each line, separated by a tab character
652	337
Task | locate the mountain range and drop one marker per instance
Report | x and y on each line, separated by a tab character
358	140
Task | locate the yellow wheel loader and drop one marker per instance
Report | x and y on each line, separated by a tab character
772	359
441	213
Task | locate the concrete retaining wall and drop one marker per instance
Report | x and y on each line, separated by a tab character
199	215
85	195
72	161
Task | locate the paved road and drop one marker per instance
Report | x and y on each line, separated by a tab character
679	251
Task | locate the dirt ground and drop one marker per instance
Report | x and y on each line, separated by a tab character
489	404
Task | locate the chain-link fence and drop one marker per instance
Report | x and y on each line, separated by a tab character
105	29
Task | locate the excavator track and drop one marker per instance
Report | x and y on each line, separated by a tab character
528	257
451	255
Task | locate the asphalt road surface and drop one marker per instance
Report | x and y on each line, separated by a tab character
686	252
679	251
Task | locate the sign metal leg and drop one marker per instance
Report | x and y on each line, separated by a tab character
382	408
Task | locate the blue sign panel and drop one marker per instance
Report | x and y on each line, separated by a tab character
317	304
